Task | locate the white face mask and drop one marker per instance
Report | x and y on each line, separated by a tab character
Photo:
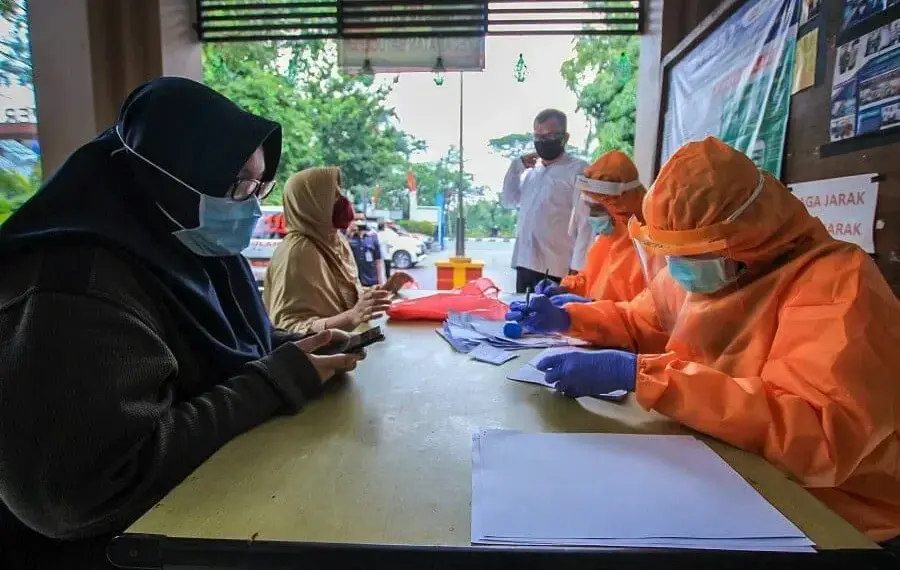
226	226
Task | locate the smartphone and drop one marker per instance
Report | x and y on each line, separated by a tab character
356	343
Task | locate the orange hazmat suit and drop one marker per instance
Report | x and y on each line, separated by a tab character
797	360
612	270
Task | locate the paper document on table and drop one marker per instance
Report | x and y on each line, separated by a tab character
660	492
466	325
484	352
529	373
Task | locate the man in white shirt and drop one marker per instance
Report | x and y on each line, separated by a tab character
550	240
386	239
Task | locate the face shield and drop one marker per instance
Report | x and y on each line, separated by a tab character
688	270
588	188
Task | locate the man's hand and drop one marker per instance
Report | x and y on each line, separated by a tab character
328	366
529	160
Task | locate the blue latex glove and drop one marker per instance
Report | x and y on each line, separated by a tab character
549	288
540	316
578	374
560	300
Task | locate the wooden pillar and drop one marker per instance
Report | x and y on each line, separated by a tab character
649	91
88	55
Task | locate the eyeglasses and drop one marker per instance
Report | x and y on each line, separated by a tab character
246	188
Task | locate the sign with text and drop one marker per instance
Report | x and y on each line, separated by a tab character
388	53
17	104
396	55
845	205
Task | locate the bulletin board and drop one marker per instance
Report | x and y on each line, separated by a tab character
735	83
809	153
865	83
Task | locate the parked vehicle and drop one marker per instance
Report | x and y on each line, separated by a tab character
270	230
407	251
268	234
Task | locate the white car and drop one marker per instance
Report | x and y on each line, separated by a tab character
270	230
406	250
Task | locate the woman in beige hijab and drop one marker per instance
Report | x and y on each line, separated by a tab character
312	282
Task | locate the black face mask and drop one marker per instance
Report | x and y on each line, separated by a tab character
549	149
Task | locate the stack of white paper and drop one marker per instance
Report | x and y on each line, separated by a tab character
617	491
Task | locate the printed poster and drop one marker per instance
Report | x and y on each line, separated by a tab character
845	205
809	9
865	93
858	11
805	61
736	84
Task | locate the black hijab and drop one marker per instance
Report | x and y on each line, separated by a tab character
105	195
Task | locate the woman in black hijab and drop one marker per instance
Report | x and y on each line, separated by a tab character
133	342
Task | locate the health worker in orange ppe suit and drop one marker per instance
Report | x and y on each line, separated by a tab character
757	328
610	195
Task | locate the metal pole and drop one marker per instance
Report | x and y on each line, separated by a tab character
460	210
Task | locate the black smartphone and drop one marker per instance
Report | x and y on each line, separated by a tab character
356	343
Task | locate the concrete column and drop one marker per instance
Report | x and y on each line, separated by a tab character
64	91
649	92
89	54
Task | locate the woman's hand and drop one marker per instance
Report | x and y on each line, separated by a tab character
371	305
397	281
329	366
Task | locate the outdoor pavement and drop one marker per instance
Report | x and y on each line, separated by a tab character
496	256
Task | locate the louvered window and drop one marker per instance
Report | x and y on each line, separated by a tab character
246	20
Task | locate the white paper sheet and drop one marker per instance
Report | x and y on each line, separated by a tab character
529	372
484	352
613	490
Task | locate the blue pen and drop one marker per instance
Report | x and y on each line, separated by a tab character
513	329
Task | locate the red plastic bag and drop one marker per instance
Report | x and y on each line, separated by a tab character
478	296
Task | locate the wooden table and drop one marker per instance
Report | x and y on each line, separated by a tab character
385	457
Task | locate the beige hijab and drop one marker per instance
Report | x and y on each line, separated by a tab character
312	275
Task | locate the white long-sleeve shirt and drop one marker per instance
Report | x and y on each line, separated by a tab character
546	197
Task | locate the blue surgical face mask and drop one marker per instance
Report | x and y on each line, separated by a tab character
225	225
602	224
703	275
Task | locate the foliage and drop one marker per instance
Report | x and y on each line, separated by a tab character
330	118
512	145
484	215
15	49
603	76
327	117
418	226
16	189
432	178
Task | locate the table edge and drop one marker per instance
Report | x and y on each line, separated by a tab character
154	552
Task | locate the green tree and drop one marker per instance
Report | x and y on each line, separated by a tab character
432	178
485	214
328	117
603	75
248	74
16	189
15	49
512	145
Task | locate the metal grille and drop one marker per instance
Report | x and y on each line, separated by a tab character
248	20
